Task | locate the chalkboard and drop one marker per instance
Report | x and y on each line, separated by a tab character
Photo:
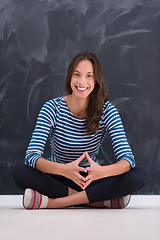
38	39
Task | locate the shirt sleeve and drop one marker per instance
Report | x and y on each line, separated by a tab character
114	127
46	119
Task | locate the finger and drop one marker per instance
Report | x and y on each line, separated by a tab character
87	184
88	169
87	178
80	158
88	158
81	185
87	155
81	169
78	181
80	177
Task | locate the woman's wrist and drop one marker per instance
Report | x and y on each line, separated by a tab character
116	168
47	166
104	171
60	169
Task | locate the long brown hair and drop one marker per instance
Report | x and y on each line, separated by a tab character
98	96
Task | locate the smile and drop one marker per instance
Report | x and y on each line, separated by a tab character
82	89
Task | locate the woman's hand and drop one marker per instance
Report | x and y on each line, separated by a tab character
71	171
95	171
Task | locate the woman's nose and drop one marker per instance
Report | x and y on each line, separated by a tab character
83	78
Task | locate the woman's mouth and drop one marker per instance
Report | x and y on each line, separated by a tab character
82	88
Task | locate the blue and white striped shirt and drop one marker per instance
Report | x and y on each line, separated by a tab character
68	139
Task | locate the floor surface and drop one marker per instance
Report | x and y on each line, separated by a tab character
140	220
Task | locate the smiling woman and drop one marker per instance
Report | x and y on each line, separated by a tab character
85	72
83	79
82	84
77	124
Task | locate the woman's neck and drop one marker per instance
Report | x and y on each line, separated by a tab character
77	106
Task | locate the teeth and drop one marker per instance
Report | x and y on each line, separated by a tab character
81	88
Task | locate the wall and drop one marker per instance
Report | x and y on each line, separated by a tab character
38	38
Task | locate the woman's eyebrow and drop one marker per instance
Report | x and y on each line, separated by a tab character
79	72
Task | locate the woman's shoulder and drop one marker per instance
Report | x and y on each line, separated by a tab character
108	106
52	105
54	102
109	109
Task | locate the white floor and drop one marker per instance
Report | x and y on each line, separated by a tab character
140	220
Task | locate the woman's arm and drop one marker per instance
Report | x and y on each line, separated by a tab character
122	150
115	129
45	121
69	170
47	166
116	169
96	171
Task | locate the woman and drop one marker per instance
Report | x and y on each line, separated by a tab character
76	125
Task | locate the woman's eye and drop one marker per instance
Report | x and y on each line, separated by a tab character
90	76
76	75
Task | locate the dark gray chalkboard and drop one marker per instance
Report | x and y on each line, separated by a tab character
38	38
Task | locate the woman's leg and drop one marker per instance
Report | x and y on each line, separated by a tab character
97	191
104	189
116	186
53	186
76	198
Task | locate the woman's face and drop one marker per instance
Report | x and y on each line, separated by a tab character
82	80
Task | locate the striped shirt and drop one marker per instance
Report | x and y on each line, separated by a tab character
67	134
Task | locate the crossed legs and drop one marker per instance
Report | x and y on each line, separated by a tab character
62	192
75	198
